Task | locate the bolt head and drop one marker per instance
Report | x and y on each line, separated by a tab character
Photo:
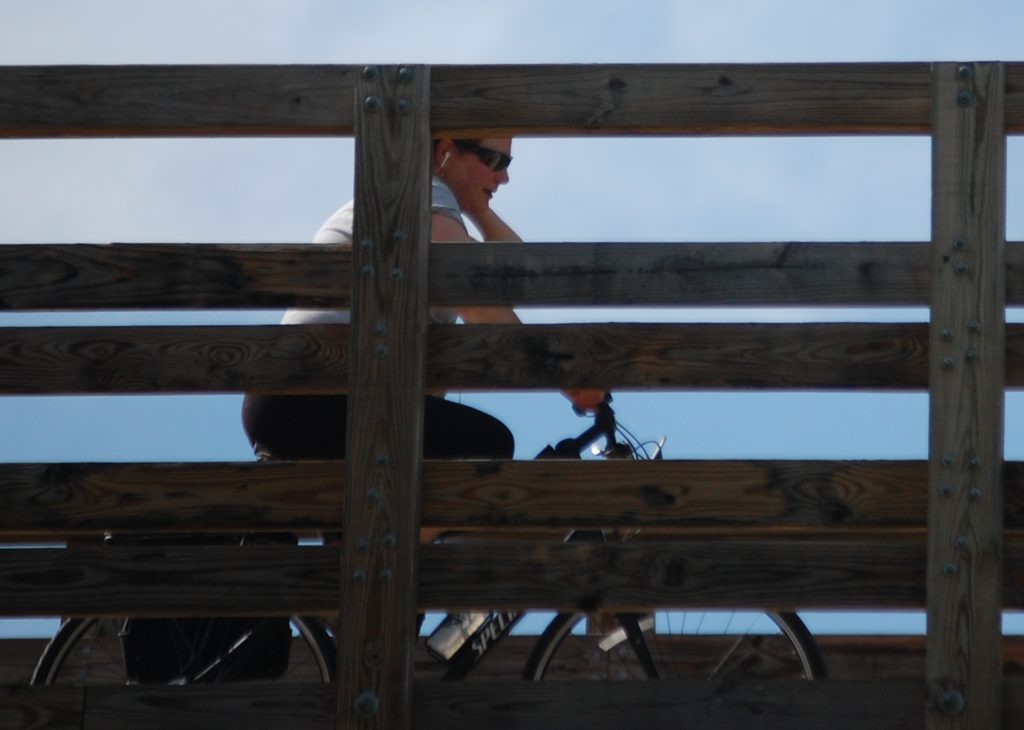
370	73
371	103
952	703
367	704
406	74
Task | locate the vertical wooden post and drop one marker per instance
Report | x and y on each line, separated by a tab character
967	380
385	420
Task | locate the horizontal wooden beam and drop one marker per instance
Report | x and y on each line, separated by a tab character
775	573
155	101
208	359
213	100
499	705
54	501
90	277
81	276
848	657
623	356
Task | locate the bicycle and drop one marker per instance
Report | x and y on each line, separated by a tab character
626	645
713	645
88	651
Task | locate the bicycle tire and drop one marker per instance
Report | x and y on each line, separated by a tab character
87	651
787	650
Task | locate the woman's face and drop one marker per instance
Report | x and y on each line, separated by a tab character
471	180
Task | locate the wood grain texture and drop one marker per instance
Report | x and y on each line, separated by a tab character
480	101
210	359
641	356
192	100
777	572
495	498
680	274
967	376
682	99
502	705
80	276
91	277
633	356
381	517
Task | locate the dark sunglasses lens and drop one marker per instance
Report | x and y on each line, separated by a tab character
495	160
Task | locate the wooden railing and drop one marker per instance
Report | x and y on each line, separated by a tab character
780	534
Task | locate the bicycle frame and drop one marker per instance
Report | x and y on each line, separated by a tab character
499	624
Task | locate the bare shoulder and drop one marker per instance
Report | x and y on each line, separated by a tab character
445	229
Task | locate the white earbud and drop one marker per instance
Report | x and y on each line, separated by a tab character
444	161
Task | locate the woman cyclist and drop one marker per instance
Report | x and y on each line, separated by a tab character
466	176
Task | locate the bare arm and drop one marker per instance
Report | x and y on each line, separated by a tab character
446	230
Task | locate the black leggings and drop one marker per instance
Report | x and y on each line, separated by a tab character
287	427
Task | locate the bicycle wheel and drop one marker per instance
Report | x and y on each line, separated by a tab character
719	645
89	652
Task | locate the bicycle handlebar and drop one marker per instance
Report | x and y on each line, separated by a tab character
603	427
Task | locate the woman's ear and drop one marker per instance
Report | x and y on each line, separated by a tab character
442	153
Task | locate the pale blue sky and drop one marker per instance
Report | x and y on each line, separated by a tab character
822	189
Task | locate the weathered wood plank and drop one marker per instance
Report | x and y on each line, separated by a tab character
775	572
53	500
670	704
210	707
625	356
93	277
314	358
680	274
890	705
638	356
967	376
199	100
80	276
683	99
692	494
168	581
55	360
60	101
848	657
40	501
381	518
542	705
41	708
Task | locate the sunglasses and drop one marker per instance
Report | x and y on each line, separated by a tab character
495	160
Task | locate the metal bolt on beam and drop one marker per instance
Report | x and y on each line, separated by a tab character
952	703
367	704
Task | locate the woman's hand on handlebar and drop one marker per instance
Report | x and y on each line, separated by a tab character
586	400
